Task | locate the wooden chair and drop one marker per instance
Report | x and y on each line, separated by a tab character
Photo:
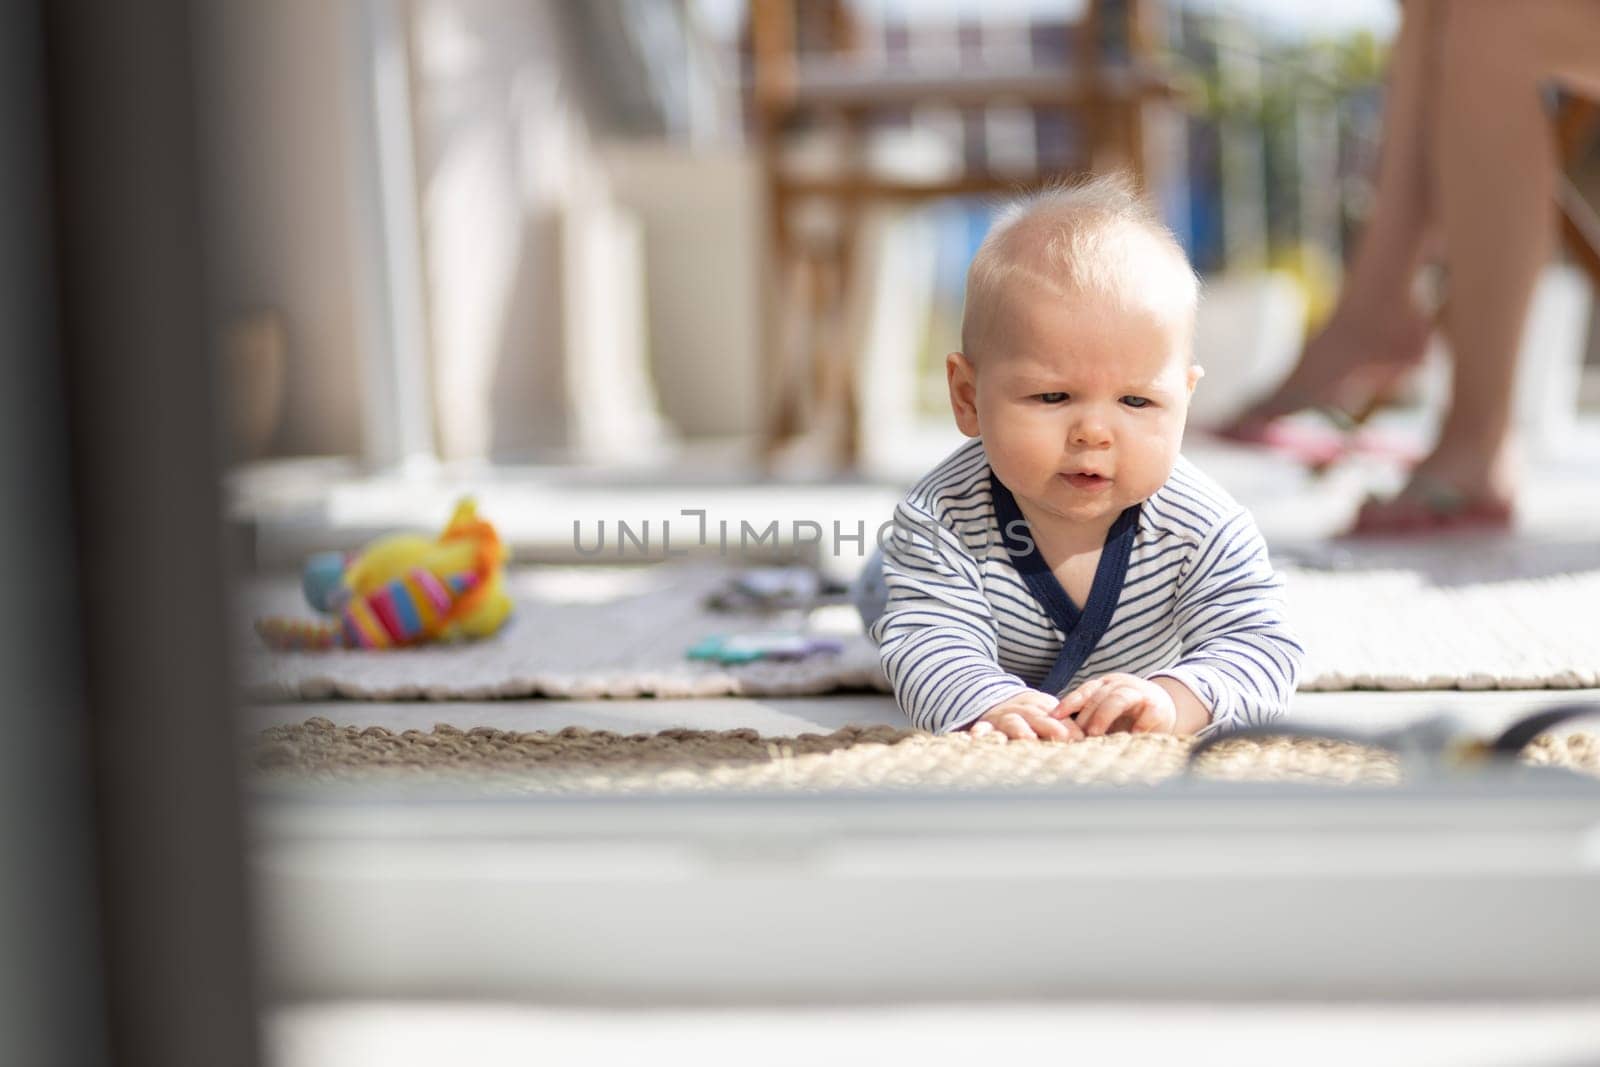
1577	125
802	72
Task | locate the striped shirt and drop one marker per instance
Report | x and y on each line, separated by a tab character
1183	589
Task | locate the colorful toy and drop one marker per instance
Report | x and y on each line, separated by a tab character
403	589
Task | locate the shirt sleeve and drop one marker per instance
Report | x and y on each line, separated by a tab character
1239	656
937	636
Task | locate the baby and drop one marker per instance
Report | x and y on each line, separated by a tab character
1067	573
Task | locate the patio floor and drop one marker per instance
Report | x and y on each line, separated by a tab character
286	511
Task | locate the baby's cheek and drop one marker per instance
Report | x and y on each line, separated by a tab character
1155	465
1168	443
1022	446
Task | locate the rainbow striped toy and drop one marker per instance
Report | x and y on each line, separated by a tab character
405	589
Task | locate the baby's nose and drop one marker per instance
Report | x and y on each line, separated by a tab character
1090	432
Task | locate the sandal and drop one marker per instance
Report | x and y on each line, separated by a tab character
1427	507
1317	446
1346	406
1309	444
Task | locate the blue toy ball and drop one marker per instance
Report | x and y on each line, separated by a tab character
322	581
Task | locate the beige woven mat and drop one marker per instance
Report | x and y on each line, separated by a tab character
621	633
574	760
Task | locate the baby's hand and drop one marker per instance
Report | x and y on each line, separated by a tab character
1027	716
1115	702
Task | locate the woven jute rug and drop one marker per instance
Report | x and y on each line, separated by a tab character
575	760
622	632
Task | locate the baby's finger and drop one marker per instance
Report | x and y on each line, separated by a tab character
1034	703
1108	709
1075	701
1014	726
1047	728
1067	705
979	728
1092	693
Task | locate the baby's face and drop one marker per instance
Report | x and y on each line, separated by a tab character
1081	403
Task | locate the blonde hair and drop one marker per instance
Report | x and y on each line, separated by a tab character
1096	236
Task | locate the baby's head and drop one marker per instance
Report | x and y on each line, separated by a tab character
1077	351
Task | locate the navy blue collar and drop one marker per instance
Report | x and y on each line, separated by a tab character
1083	626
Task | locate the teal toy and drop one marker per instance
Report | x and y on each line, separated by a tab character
748	648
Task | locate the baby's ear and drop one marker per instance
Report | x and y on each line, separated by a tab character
962	378
1196	372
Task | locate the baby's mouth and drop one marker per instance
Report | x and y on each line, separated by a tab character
1088	481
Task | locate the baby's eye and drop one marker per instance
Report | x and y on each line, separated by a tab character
1136	401
1050	398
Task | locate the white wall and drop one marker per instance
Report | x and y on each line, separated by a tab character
703	222
535	277
493	137
533	273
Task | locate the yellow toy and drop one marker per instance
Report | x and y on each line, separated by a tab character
403	589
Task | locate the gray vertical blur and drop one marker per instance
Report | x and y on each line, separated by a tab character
145	544
51	1011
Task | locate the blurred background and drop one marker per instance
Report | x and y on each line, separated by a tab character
457	240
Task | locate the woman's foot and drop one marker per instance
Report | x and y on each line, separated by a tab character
1345	372
1435	502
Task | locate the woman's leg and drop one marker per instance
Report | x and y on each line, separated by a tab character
1376	327
1494	181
